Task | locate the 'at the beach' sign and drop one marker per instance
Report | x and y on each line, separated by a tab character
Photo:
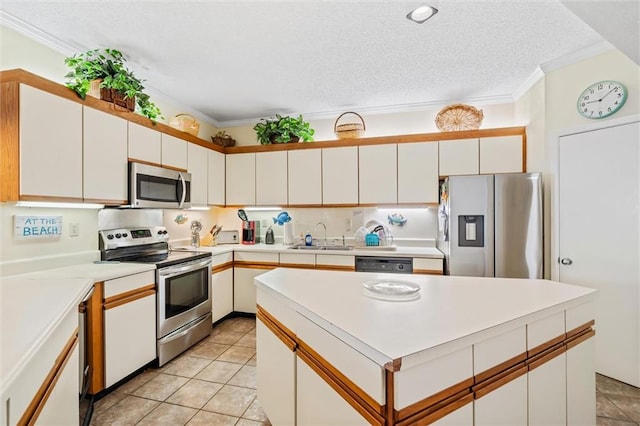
38	227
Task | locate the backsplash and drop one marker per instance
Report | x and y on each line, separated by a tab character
420	228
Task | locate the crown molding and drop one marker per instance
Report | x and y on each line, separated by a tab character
535	76
35	34
577	56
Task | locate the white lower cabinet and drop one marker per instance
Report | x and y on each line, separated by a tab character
244	291
317	403
581	386
222	293
461	416
62	406
129	322
506	405
548	393
276	369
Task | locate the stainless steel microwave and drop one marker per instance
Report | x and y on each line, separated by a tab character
157	187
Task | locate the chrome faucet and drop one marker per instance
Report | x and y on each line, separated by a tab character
325	231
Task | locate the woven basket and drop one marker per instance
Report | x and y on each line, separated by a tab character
118	99
459	117
186	123
225	142
349	130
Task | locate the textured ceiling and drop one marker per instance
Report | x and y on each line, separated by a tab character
237	61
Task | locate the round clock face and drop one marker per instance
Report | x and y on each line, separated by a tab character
602	99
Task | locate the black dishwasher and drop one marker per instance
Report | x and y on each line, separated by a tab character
392	265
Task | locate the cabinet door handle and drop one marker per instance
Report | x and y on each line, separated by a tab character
566	261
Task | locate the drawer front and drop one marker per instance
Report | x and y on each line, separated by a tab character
579	316
244	256
297	259
426	266
544	331
221	259
367	375
128	283
499	349
335	260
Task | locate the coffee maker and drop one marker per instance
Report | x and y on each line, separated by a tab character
250	232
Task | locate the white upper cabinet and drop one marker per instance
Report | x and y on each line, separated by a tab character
216	187
144	144
105	157
378	174
50	145
340	175
459	157
198	162
501	154
174	152
305	177
271	178
418	172
240	180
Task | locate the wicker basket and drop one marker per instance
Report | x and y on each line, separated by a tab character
115	97
459	117
349	130
186	123
225	142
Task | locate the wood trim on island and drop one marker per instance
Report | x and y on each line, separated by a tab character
438	405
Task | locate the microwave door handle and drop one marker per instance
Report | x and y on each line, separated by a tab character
182	194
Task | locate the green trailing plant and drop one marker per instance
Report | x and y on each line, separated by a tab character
110	66
283	129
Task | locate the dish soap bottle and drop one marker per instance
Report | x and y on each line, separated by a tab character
308	240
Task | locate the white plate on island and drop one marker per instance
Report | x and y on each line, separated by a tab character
391	290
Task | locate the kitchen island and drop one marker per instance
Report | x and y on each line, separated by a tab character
466	351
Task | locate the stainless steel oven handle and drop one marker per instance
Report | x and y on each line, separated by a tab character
172	270
172	337
184	189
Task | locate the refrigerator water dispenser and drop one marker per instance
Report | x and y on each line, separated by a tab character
471	231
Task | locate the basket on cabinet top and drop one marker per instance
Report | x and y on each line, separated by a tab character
349	130
459	117
186	123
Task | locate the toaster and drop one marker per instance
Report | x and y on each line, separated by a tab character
228	237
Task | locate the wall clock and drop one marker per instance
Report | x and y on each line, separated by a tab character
602	99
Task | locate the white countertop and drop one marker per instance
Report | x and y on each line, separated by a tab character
449	308
426	252
34	304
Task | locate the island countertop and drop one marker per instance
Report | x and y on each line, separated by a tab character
449	309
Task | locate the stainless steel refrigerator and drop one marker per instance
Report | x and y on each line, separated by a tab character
491	225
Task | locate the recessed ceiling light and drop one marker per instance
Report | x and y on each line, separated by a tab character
422	13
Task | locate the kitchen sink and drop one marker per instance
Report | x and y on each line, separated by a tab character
327	247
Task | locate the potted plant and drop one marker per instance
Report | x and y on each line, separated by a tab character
117	83
224	139
283	130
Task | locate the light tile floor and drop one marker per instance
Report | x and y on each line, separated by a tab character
214	383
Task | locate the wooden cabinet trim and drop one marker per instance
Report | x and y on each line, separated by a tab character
580	329
277	328
221	267
579	338
297	266
499	380
254	265
438	399
503	366
546	356
336	268
545	346
427	271
30	415
439	410
95	338
129	296
349	391
9	151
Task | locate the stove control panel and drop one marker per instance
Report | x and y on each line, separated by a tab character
114	238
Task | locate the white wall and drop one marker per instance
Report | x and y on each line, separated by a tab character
19	51
51	252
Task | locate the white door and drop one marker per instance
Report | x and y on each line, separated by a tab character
598	244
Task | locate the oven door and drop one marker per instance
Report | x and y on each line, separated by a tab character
184	294
152	186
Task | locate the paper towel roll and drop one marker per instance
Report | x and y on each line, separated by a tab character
288	233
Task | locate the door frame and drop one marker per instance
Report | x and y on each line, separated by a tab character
554	151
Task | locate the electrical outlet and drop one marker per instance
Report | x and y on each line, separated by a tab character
347	224
74	229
